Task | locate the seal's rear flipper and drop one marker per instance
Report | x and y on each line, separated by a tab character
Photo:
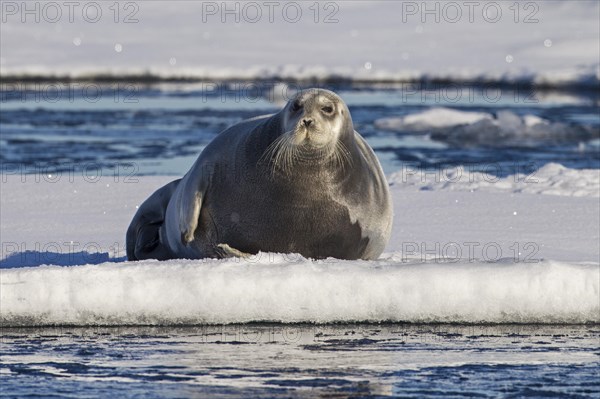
148	244
143	235
227	252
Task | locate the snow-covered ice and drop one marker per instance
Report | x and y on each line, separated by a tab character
275	288
548	42
551	179
468	252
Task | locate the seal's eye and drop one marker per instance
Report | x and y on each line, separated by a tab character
296	106
328	109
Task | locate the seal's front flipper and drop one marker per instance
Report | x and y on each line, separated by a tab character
227	252
188	201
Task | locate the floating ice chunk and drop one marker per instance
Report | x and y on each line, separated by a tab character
431	118
480	129
532	120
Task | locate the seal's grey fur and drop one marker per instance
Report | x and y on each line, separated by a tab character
299	181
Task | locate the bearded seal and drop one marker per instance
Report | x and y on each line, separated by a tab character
298	181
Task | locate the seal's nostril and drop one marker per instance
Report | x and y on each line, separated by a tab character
307	122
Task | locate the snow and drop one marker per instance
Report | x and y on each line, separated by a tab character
551	179
462	252
410	46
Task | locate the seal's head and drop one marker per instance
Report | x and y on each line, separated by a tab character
316	119
316	128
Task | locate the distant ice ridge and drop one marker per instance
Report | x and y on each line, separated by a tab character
276	288
475	129
551	179
580	76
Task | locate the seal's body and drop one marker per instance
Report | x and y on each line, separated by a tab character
299	181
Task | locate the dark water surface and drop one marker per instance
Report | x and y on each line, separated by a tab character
161	129
416	361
